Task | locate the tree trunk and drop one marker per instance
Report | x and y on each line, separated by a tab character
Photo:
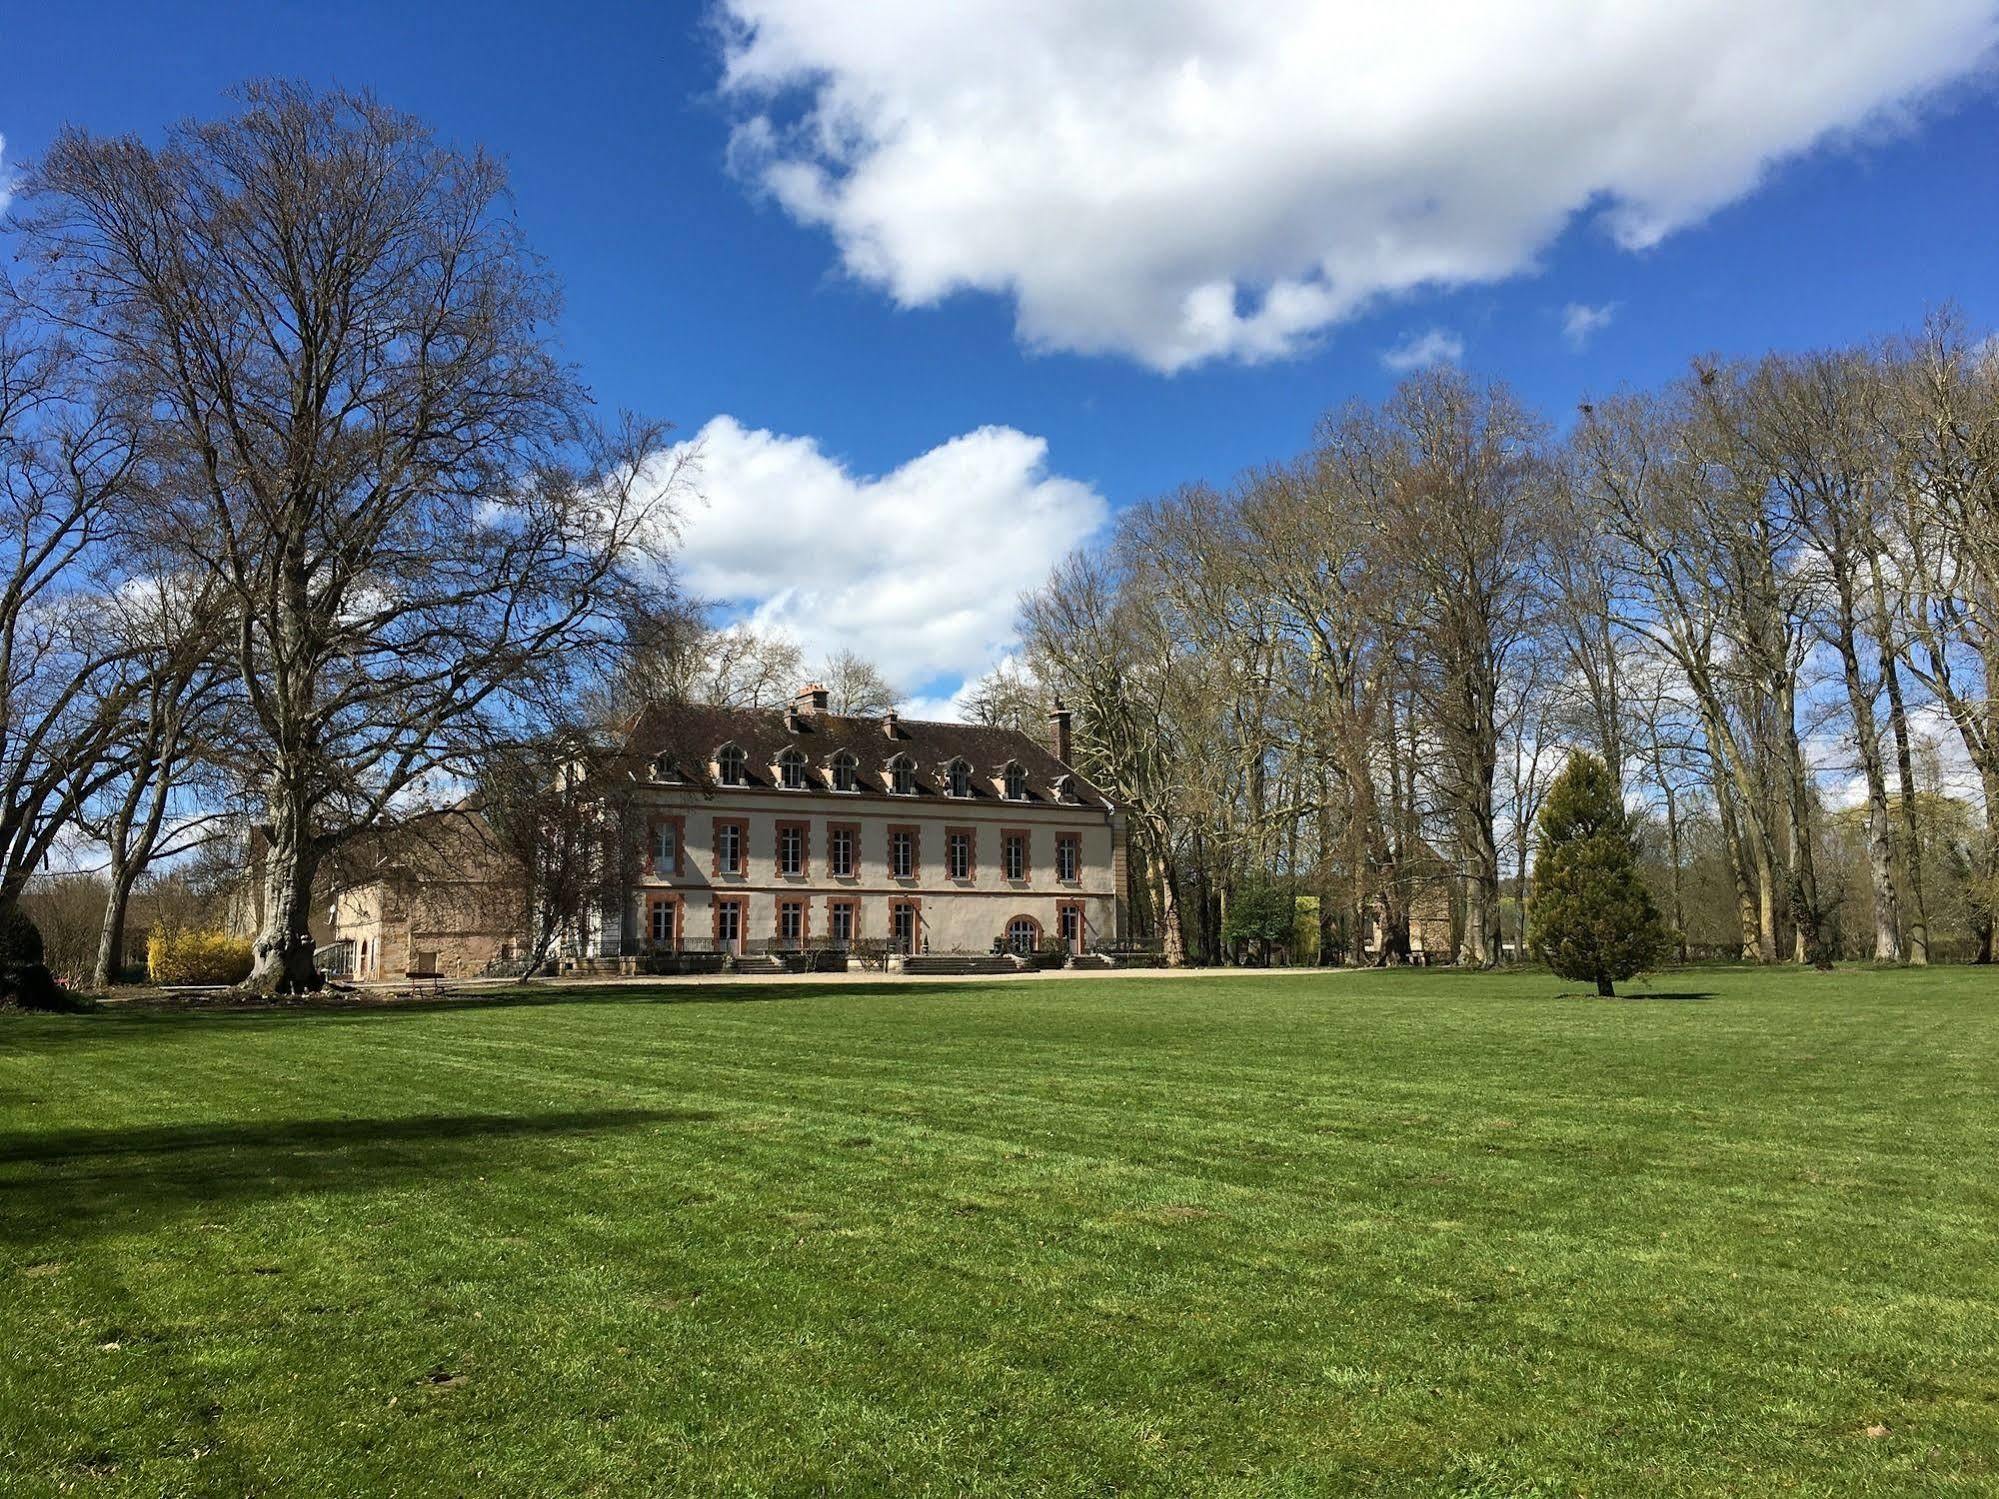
1867	738
1605	989
1674	878
1173	938
1807	909
282	953
1747	910
1985	900
111	941
1912	838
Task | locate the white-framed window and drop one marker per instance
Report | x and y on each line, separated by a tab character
959	776
958	854
901	776
729	762
1065	788
1013	855
840	923
790	848
1022	934
729	924
661	925
902	854
845	768
840	852
665	847
1016	782
729	847
1068	857
791	769
791	921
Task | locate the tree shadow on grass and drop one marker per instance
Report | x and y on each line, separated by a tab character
350	1006
71	1184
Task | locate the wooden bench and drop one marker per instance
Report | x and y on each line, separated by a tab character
425	981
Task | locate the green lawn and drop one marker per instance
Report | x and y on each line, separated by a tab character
1417	1232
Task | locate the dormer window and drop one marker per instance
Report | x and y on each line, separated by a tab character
1015	780
791	769
729	763
845	771
663	769
1065	788
959	775
902	776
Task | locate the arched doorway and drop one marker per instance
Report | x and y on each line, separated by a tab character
1023	935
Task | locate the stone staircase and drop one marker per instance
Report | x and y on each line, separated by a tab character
939	964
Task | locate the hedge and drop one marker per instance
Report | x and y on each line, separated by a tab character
197	958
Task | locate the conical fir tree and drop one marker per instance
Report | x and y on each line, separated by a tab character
1591	917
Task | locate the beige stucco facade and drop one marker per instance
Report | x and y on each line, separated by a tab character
437	900
944	912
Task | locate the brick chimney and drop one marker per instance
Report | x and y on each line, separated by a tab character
1058	731
892	724
808	700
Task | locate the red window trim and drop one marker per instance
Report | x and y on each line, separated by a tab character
1026	838
853	832
971	853
915	904
804	917
742	905
915	850
804	869
1075	841
653	901
653	825
1082	921
742	827
853	904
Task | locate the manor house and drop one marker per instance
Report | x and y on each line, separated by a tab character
794	828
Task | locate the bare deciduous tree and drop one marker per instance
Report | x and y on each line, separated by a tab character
369	443
856	685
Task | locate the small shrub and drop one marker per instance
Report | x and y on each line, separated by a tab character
23	978
197	957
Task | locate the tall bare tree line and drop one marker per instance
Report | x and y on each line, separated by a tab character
1765	594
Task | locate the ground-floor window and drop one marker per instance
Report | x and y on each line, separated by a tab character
791	922
902	927
1023	934
662	925
729	925
840	923
1069	922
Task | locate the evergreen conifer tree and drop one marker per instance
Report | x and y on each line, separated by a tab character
1590	916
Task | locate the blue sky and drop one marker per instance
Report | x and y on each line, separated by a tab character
1797	182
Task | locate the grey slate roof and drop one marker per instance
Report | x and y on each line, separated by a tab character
686	737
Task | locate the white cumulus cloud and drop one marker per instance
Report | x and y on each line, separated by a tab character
6	179
1185	180
920	569
1421	350
1582	322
